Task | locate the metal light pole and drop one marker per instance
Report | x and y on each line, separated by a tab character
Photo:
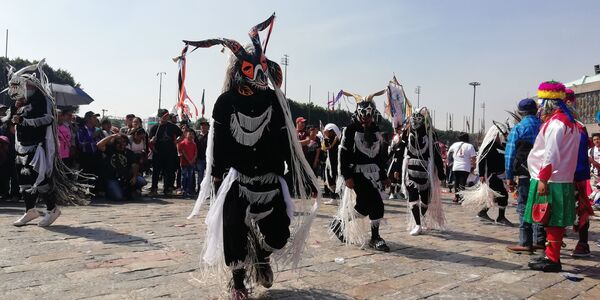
483	121
103	111
285	60
475	84
160	75
418	92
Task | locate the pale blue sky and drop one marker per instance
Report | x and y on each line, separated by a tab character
115	48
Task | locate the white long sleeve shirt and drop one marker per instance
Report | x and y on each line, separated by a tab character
554	154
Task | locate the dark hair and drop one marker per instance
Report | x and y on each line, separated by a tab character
310	127
464	137
597	134
138	130
161	112
130	116
105	121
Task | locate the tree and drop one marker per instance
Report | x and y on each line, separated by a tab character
59	76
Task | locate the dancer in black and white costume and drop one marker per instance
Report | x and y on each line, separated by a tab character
41	174
423	170
252	218
362	166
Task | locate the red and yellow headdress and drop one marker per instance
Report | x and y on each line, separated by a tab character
552	90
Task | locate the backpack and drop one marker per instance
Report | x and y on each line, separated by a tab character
519	166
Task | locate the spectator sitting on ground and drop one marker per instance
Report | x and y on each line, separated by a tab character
119	168
138	145
128	124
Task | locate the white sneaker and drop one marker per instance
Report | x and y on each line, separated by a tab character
392	197
416	230
50	217
30	215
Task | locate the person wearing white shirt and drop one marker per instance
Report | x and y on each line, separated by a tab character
463	154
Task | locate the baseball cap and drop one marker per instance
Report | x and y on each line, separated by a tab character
90	114
527	104
300	120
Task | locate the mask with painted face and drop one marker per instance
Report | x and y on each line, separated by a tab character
366	109
251	68
417	120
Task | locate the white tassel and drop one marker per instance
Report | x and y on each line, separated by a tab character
479	197
353	225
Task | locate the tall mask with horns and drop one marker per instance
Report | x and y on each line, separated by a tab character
251	67
18	81
365	106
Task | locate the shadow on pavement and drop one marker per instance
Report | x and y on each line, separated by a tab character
301	294
448	256
98	234
106	202
16	210
463	236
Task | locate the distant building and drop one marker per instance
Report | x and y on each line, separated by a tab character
587	93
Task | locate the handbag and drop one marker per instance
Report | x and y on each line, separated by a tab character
540	213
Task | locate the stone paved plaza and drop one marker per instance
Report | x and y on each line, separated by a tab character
147	249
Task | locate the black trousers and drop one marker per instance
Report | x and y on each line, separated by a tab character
497	185
26	176
166	165
415	195
274	227
368	198
460	180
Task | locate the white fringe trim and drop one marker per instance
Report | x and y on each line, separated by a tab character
246	130
362	146
353	225
479	197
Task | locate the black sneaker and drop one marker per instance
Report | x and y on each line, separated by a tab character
379	245
483	217
545	265
264	274
336	228
504	221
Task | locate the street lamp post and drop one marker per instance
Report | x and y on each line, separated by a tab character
160	75
418	92
285	60
475	84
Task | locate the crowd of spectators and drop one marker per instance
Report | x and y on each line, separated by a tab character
120	158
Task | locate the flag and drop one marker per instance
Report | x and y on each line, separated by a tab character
182	96
397	106
203	106
332	102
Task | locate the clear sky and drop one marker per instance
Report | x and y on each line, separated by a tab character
115	48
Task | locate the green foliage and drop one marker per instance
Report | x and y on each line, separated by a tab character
313	114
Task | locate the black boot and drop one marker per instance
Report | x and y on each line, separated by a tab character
264	273
502	220
376	241
483	215
545	265
336	228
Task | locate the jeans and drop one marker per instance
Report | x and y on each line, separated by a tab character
201	167
115	190
528	233
187	182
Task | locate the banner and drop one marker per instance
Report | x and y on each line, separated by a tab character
398	108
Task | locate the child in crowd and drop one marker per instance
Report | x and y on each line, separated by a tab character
187	157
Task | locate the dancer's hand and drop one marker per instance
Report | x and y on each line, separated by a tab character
387	183
542	188
397	175
16	119
511	185
350	183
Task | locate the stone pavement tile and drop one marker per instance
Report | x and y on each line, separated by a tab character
565	289
532	285
593	293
